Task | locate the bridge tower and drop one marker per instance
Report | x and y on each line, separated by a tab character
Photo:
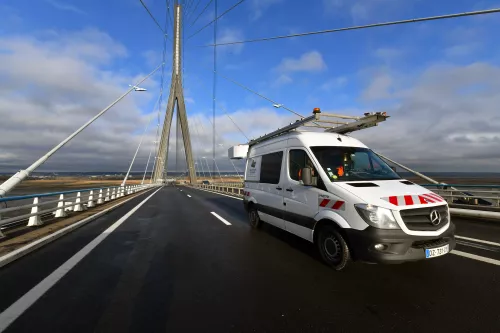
176	97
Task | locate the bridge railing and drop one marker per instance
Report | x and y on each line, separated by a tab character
468	195
476	201
81	200
228	189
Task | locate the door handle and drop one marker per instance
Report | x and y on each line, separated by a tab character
289	189
279	188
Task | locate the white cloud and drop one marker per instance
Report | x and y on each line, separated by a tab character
43	101
379	87
364	10
388	53
334	83
259	6
228	35
64	6
448	121
308	62
282	80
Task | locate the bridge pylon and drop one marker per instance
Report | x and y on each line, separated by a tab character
176	97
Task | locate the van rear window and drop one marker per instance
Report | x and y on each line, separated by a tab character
270	169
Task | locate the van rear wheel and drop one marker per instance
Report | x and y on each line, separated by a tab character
333	248
253	217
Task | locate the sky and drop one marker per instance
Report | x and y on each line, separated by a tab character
63	61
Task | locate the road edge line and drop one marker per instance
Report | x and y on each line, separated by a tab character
21	252
476	257
16	309
477	240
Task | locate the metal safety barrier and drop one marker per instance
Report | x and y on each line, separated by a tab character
476	201
84	199
228	189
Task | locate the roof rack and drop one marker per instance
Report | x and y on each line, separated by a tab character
322	120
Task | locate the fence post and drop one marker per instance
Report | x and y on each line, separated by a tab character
106	199
60	212
113	194
91	204
99	200
78	205
34	220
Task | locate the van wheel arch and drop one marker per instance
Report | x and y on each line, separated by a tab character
321	223
332	244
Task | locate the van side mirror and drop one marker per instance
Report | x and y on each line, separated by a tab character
306	177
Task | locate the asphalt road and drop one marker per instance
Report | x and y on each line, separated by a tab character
173	266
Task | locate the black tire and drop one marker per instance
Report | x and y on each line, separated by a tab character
253	218
333	248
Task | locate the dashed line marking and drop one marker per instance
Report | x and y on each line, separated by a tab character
189	196
220	218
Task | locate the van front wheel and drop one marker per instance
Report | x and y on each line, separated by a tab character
333	248
253	217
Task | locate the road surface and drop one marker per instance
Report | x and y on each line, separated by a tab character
173	266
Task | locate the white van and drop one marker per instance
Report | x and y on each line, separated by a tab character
332	190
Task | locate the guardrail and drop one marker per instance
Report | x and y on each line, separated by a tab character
84	199
236	191
472	203
473	195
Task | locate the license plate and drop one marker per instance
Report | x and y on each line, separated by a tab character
438	251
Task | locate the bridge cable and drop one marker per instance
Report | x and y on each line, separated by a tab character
214	91
260	95
198	132
215	163
198	143
208	4
227	114
373	25
140	142
230	159
149	12
217	18
194	10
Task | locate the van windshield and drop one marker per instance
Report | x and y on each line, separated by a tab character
352	163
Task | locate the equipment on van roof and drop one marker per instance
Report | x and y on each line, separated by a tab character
324	120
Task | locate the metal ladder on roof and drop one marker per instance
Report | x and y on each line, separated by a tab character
324	121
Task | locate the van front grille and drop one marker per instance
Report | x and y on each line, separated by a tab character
419	219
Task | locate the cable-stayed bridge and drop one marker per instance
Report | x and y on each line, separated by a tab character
176	253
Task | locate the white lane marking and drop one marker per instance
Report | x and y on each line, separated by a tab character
477	240
476	257
8	258
181	190
189	196
22	304
220	218
229	196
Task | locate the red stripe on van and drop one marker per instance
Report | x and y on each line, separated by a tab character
408	200
429	198
422	199
337	205
393	200
435	196
324	203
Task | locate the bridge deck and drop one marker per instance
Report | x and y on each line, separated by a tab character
173	266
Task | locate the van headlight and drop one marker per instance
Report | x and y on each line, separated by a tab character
377	217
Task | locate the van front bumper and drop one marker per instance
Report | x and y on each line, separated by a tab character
401	247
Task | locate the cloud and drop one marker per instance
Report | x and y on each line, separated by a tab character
43	101
228	35
388	53
282	80
308	62
65	7
447	121
364	10
334	83
379	87
259	6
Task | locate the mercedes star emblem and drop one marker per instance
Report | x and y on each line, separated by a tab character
435	217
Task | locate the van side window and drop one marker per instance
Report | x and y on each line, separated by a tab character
298	159
270	168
